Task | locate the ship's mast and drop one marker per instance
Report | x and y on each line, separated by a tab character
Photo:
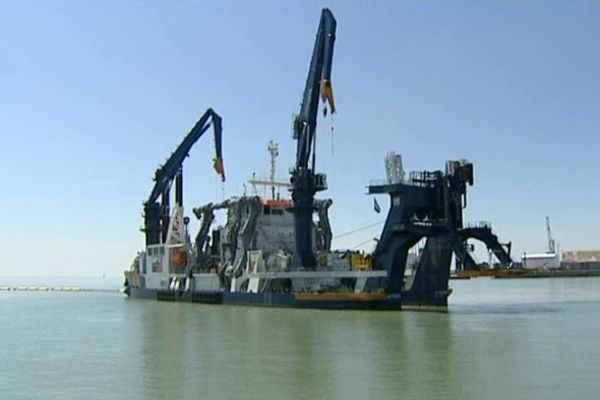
274	151
551	243
272	181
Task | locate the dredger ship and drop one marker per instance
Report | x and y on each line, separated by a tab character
276	251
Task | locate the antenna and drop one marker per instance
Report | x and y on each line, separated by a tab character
274	152
271	181
551	243
253	182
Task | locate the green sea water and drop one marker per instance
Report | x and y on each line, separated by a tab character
500	339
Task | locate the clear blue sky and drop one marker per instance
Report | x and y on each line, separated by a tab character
94	95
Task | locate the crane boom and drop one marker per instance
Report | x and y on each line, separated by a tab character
305	183
165	174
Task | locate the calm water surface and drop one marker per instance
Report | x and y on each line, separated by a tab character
501	339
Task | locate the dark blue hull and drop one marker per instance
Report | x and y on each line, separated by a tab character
289	300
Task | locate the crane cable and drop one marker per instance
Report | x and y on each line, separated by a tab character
363	243
359	229
332	126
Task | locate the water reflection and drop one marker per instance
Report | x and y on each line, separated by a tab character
241	352
498	339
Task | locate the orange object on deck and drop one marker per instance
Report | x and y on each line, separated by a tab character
278	203
179	258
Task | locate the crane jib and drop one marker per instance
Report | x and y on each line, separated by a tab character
165	175
305	182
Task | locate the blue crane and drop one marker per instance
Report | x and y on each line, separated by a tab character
304	181
156	216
